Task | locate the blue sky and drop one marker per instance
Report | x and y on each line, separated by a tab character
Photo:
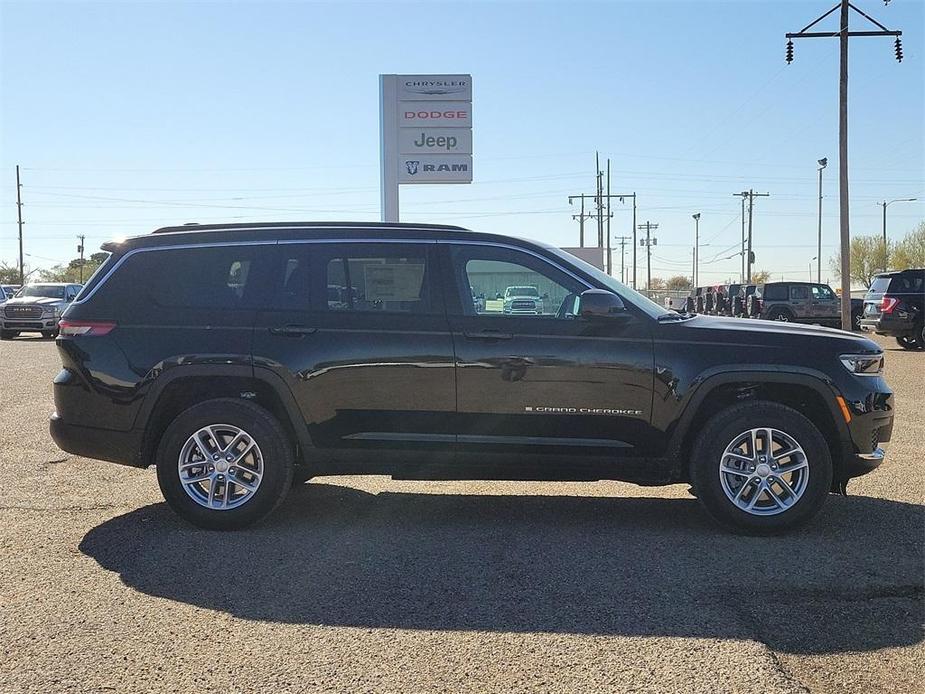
127	116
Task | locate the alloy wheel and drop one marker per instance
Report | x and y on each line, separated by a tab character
764	471
220	467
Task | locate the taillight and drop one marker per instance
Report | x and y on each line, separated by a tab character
887	304
93	328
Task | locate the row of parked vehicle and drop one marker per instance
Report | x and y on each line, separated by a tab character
35	308
800	302
894	304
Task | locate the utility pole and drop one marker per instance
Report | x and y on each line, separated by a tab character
581	216
886	247
19	216
623	240
822	164
609	215
694	277
80	249
743	195
648	242
748	254
843	35
599	202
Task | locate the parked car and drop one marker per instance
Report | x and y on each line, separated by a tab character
731	299
7	291
798	302
36	308
895	306
234	393
523	300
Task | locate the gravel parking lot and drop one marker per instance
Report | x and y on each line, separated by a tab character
365	584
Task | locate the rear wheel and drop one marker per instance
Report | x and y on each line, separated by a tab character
49	334
920	335
224	464
856	316
761	468
908	342
780	314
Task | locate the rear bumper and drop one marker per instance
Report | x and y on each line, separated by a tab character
889	324
121	447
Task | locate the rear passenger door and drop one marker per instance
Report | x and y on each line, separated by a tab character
359	332
799	301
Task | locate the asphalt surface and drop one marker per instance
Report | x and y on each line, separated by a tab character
362	584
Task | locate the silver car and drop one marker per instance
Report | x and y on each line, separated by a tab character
36	308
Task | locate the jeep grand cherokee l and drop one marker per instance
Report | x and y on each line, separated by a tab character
233	370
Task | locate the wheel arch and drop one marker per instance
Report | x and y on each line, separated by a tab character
183	387
809	394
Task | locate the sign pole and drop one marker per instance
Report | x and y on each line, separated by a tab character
388	147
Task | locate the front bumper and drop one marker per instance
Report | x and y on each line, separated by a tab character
871	425
29	324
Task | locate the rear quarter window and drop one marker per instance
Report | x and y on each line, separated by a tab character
775	292
907	283
218	279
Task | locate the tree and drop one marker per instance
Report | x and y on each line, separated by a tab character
761	276
656	284
867	256
910	252
72	272
678	283
9	274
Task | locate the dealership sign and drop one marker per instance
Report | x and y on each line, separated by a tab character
425	133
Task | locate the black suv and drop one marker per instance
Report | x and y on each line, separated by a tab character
220	355
895	305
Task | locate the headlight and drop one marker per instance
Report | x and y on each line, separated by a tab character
863	364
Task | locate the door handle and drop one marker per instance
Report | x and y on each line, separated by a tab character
488	335
292	330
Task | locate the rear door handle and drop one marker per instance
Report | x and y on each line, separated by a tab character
292	330
487	335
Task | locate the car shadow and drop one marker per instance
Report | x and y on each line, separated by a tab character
334	555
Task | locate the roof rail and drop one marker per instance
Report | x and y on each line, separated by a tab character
193	226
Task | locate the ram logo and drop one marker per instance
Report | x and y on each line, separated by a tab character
412	167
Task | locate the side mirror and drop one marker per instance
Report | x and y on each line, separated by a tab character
598	303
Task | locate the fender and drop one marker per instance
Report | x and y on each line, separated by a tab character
244	371
717	376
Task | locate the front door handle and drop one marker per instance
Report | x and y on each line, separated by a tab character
292	330
487	335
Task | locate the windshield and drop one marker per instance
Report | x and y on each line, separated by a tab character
51	291
615	285
522	291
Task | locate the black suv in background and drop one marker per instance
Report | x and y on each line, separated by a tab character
219	355
895	306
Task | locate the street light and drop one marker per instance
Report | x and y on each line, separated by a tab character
822	164
696	246
886	204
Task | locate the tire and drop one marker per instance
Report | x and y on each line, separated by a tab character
920	335
908	342
8	334
809	479
781	315
267	466
856	320
49	334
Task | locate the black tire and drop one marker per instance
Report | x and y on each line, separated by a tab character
720	431
780	314
908	342
920	335
856	320
49	334
274	445
8	334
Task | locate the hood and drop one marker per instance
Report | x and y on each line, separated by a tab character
34	301
777	334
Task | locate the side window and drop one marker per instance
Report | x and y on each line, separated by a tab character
376	278
188	278
505	283
775	292
820	291
799	292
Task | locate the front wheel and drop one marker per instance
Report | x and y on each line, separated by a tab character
224	464
761	468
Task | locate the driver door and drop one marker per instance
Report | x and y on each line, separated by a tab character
546	383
